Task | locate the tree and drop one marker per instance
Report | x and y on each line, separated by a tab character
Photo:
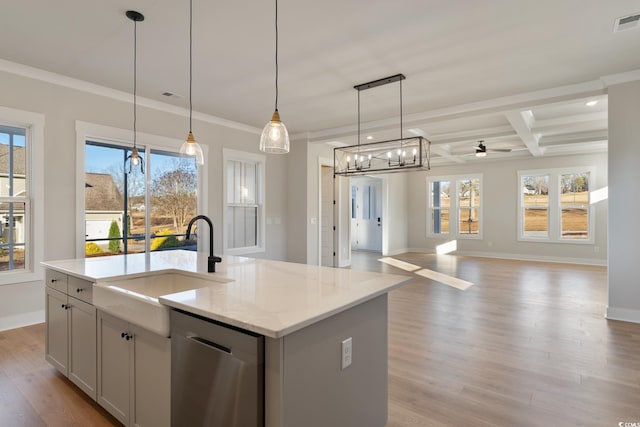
114	232
174	194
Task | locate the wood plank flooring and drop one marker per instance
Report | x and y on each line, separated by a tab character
526	345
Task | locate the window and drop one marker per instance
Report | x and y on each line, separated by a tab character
21	185
556	205
456	213
534	205
127	213
244	206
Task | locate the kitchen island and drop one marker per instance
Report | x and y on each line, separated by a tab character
305	313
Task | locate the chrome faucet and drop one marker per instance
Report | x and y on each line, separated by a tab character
211	261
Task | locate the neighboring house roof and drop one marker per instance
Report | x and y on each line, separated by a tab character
18	160
101	193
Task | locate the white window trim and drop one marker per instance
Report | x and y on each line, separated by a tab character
454	231
34	226
260	160
555	209
98	133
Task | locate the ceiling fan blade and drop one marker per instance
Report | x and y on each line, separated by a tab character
500	150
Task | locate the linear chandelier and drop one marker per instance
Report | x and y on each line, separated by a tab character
394	155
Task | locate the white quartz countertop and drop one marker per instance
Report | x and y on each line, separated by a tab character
271	298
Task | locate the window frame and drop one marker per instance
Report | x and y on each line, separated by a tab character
259	160
454	207
33	123
554	234
124	138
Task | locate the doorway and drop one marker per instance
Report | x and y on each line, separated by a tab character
326	216
366	214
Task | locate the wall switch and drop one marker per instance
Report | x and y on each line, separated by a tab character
347	353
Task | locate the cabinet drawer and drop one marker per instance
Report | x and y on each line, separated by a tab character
56	280
81	289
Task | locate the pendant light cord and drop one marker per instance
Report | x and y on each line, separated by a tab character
276	107
135	77
358	121
400	113
190	63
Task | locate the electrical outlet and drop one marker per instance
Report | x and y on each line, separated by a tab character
347	353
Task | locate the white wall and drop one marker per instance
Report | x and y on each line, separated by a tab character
62	106
500	193
624	205
297	202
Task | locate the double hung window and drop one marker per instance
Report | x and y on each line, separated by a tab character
455	206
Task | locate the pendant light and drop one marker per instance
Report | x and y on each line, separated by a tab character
134	159
275	138
190	147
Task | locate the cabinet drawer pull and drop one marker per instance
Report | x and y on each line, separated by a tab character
54	280
79	290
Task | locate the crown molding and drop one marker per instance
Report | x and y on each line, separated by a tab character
614	79
92	88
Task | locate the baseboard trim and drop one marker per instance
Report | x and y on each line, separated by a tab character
397	252
20	320
520	257
623	314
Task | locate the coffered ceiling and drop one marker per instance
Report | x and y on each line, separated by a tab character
516	74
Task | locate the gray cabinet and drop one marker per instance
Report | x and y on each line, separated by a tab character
57	334
70	343
133	372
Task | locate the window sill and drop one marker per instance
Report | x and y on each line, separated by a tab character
20	276
244	251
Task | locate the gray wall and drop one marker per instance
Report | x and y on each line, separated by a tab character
499	207
624	207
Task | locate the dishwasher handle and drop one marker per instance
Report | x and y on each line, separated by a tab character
210	344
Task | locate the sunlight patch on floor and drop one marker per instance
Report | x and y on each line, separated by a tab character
445	279
406	266
454	282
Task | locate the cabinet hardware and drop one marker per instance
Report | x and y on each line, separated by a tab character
79	290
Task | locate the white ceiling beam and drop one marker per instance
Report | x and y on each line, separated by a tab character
446	153
521	121
565	128
576	138
473	135
576	118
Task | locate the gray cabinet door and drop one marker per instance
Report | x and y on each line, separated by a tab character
82	346
114	366
57	335
152	379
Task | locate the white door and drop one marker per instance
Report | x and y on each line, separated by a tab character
326	216
366	214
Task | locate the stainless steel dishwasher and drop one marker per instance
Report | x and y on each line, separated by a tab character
217	374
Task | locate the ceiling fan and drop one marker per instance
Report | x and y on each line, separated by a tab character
481	149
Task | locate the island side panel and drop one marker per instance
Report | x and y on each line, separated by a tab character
316	391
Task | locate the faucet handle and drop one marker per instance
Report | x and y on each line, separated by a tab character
211	264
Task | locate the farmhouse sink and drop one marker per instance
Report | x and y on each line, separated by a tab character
136	299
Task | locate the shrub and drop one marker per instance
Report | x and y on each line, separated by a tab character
92	248
114	231
160	242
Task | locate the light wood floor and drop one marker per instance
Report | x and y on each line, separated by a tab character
527	345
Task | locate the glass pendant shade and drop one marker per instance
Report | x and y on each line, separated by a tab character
191	148
275	138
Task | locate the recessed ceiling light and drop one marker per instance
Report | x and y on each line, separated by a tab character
591	103
370	137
